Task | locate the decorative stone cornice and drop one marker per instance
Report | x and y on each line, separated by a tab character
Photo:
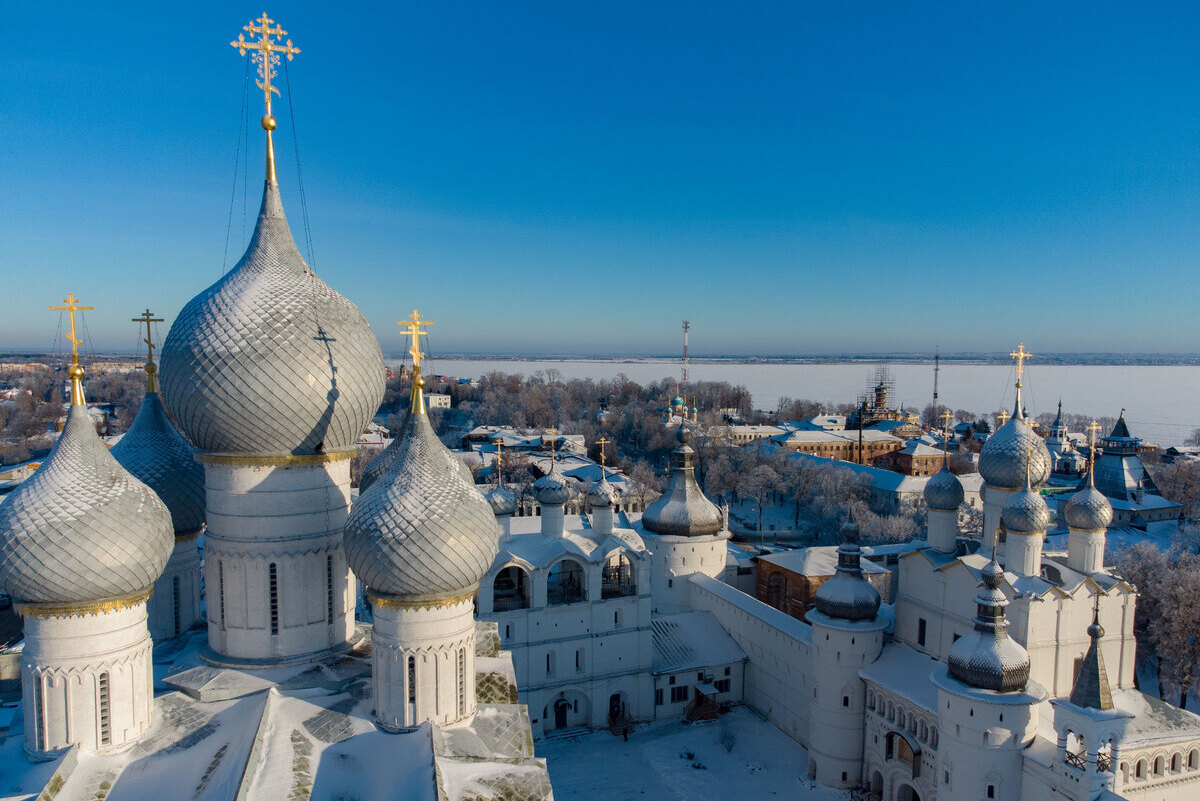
279	460
392	602
79	610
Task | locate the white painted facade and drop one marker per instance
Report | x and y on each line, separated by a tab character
86	678
175	605
674	559
277	582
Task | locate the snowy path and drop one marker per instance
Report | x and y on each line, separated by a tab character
655	764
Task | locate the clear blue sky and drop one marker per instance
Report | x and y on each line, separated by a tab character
795	177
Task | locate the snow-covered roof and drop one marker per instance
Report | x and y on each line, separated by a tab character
1154	721
817	561
691	640
527	544
792	627
826	435
904	671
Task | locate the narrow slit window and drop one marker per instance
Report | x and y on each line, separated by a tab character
412	690
105	721
221	589
462	682
273	588
176	600
329	588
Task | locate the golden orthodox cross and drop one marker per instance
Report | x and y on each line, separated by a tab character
265	51
946	416
413	324
148	317
1004	415
72	306
1021	355
499	443
1093	428
603	442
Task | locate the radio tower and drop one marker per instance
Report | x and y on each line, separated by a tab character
684	372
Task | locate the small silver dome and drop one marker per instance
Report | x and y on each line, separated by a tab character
156	454
270	360
987	658
848	595
601	493
82	529
1002	460
1088	510
421	531
1026	513
552	489
502	500
944	491
382	461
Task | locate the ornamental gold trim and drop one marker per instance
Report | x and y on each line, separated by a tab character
282	460
392	602
187	536
79	610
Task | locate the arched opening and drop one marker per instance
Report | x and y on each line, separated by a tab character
876	785
777	590
510	590
1193	759
616	580
906	792
565	584
569	710
1159	762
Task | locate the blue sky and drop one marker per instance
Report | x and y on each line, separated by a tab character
553	177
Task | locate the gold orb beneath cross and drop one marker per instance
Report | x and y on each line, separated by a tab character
75	371
268	122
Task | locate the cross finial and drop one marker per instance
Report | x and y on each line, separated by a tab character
74	371
148	317
602	442
264	52
413	324
1004	415
1021	355
499	443
1093	428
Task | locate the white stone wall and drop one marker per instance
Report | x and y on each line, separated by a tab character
68	661
174	606
290	517
890	716
423	663
778	679
839	650
674	559
733	672
981	744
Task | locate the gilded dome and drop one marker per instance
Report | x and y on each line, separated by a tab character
944	491
848	595
270	360
1026	513
1002	460
82	529
421	531
156	454
987	658
1088	510
552	489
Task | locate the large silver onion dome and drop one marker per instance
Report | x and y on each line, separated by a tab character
156	454
1088	510
1002	460
987	658
944	491
421	531
82	529
552	489
683	510
270	360
1026	513
501	499
848	595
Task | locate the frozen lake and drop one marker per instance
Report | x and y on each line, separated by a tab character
1161	402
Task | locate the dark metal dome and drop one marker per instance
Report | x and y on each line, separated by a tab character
683	510
944	491
987	658
1088	510
848	595
1026	513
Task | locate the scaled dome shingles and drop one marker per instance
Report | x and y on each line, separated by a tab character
422	530
270	360
82	529
156	454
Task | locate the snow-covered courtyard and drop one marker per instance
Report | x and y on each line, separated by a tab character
674	761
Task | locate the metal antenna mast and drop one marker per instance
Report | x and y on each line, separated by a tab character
684	372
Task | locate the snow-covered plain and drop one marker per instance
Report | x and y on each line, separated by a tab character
673	761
